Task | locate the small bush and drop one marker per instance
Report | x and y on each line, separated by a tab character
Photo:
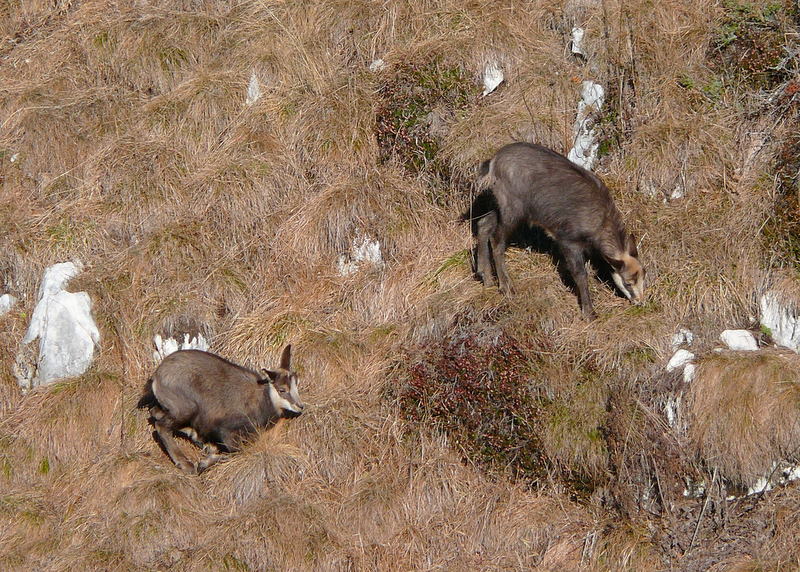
479	393
749	45
782	231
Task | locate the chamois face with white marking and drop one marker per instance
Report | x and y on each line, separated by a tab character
283	392
628	273
216	403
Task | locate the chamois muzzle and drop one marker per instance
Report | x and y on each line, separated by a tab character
292	414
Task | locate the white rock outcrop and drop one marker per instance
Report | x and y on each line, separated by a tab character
781	319
63	323
739	340
584	150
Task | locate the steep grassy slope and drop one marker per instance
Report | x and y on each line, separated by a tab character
448	427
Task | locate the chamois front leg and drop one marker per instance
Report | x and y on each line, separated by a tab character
487	225
164	430
499	243
576	264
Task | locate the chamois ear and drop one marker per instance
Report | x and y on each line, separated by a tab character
617	265
630	246
271	376
286	357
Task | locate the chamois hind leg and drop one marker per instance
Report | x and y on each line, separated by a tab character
165	431
224	441
487	225
213	456
499	243
576	264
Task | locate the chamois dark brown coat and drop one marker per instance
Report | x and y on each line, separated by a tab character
534	186
216	403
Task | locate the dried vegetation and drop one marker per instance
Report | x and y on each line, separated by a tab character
448	427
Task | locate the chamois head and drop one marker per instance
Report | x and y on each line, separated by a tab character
283	387
628	273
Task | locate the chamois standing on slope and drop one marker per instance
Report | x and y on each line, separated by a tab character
216	403
533	185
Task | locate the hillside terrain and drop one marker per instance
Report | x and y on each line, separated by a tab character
259	173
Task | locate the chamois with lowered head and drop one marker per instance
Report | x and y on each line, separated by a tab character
216	403
534	186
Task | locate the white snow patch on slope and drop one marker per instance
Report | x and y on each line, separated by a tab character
64	325
363	251
7	302
253	89
576	46
739	340
584	150
492	77
164	347
377	65
781	319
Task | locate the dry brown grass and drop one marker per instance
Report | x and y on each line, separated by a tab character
134	151
744	412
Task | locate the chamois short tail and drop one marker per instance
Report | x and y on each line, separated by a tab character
485	175
148	400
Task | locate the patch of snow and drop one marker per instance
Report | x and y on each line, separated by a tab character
679	359
377	65
253	89
7	302
164	347
577	41
63	323
739	340
363	251
782	321
683	336
492	77
584	150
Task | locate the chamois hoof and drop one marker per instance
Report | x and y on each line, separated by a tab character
507	290
188	467
488	281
